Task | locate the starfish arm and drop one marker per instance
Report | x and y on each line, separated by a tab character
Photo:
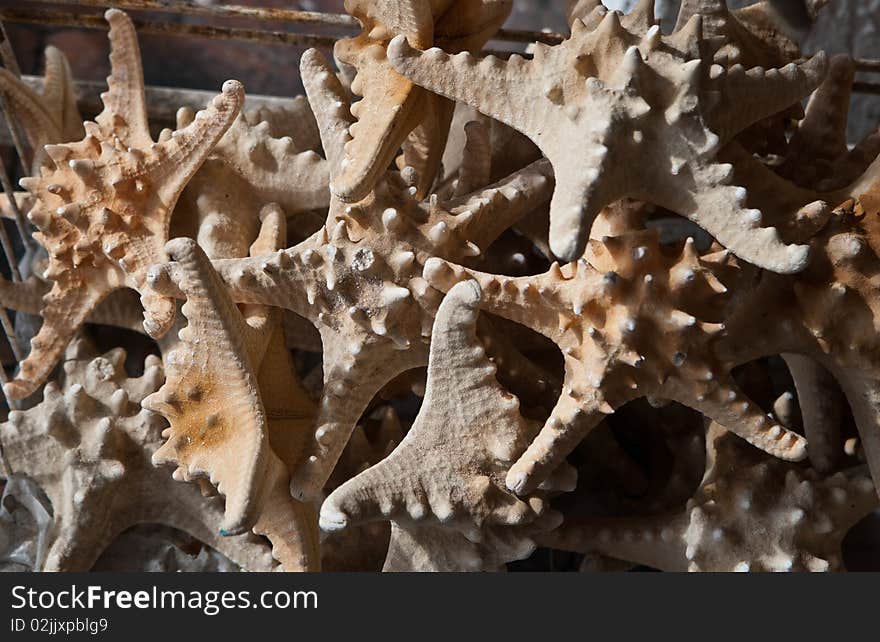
59	94
476	159
330	103
178	158
570	421
497	88
29	112
821	134
863	395
124	98
65	308
719	208
727	405
754	94
656	541
218	426
516	298
353	374
821	405
23	296
498	207
423	148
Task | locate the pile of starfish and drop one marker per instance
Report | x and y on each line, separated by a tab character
617	296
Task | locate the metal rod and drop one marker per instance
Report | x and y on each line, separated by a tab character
9	331
279	15
20	222
93	21
866	64
866	88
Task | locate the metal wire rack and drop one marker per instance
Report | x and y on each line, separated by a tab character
287	27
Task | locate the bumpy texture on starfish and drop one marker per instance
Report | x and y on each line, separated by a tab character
631	322
751	513
623	111
358	279
220	427
443	486
88	445
104	204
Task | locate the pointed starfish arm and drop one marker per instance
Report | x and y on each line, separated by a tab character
821	404
218	425
497	88
754	94
65	309
727	405
179	157
124	97
29	111
330	103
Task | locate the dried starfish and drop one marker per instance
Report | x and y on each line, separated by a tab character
103	210
392	107
47	118
631	322
222	427
443	486
88	445
595	107
358	278
751	513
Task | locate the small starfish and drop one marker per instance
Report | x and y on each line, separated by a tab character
237	413
631	322
358	278
88	444
751	513
392	108
595	107
443	486
103	207
48	118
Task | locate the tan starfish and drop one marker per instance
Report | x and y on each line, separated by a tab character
238	416
631	322
595	107
88	444
103	206
443	486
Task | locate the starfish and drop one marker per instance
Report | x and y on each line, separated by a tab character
751	513
88	445
392	108
443	486
828	313
357	279
103	207
631	322
238	416
49	117
594	106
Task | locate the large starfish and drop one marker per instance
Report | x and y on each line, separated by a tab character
631	322
238	416
751	513
358	279
392	107
443	486
88	444
623	111
104	204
